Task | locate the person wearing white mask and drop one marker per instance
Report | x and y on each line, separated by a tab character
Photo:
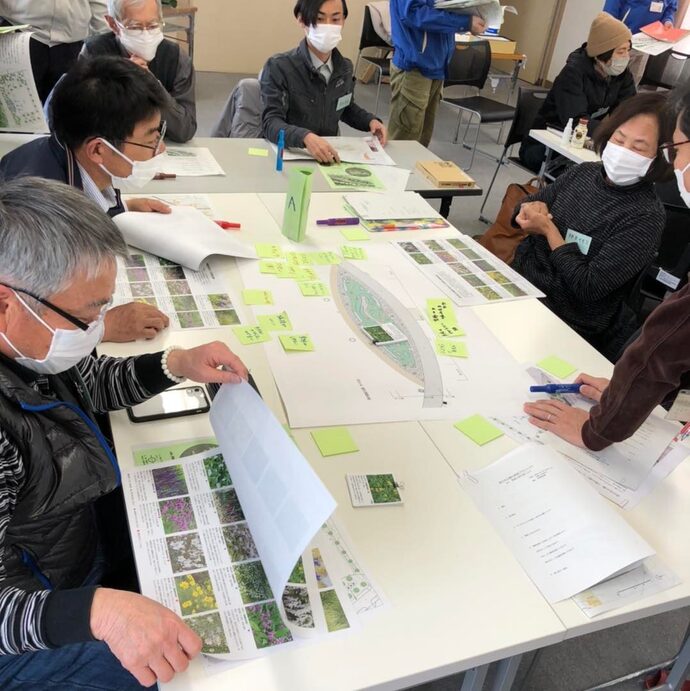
61	626
136	32
655	368
107	133
307	91
592	232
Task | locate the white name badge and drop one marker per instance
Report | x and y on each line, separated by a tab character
656	7
344	102
667	279
680	410
580	239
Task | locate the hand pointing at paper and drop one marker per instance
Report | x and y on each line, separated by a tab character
201	364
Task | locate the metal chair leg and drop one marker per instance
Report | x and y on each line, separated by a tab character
461	115
476	139
491	186
378	89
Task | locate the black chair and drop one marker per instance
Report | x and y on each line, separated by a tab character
528	105
370	39
666	71
469	66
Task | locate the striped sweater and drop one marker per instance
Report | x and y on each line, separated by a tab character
588	291
42	619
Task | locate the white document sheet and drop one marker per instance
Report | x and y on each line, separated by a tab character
363	150
189	161
20	107
399	206
565	536
393	179
184	236
650	46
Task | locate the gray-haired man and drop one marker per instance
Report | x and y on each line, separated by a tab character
57	276
137	33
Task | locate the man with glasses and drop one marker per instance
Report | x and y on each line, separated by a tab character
136	32
107	132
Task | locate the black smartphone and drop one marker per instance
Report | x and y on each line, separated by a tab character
213	388
189	400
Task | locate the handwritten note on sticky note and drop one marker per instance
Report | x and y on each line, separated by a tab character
554	365
257	297
266	250
270	266
440	310
297	342
451	348
298	258
478	429
275	322
250	335
313	289
325	258
304	273
287	271
333	441
354	234
263	153
445	330
353	252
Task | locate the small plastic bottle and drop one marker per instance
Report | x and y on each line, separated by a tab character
567	133
580	134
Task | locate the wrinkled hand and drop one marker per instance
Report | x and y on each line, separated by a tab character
537	208
201	364
150	641
533	220
592	387
139	61
146	204
478	26
320	149
563	420
133	321
378	129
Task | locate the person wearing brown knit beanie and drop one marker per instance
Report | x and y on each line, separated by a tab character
609	42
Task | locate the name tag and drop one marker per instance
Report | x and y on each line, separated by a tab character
656	7
580	239
680	410
344	101
667	279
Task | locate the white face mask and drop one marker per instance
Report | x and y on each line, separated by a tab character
684	191
143	44
142	171
324	37
67	348
624	167
617	66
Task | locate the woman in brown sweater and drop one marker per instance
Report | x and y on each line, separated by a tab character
653	367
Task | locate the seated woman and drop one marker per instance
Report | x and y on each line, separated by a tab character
593	82
308	91
599	225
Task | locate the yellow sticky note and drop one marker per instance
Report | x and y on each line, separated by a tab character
451	348
554	365
250	335
257	297
287	271
313	289
353	252
304	273
440	310
354	234
446	330
478	429
263	153
266	250
270	266
300	342
325	258
275	322
297	258
333	441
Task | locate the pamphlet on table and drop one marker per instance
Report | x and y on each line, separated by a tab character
188	161
362	150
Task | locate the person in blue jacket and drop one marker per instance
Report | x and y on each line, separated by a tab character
423	42
639	13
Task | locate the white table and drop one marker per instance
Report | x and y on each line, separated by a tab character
553	144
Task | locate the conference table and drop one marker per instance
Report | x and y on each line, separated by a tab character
552	141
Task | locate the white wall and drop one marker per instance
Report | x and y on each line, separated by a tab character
577	18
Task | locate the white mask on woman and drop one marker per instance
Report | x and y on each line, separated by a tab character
142	43
324	37
142	171
684	191
623	166
616	66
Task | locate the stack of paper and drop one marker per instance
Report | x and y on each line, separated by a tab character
363	150
491	11
394	211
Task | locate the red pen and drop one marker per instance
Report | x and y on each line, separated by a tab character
226	225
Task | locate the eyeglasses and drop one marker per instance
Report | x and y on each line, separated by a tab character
162	129
669	150
58	310
148	26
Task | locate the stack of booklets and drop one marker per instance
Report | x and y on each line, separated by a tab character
394	211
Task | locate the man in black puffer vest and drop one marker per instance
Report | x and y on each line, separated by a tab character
137	34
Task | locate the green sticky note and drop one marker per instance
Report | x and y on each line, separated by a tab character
451	348
325	258
297	258
354	234
353	252
300	342
297	203
275	322
250	335
257	297
440	310
478	429
263	153
270	266
313	289
554	365
446	330
333	441
266	250
304	273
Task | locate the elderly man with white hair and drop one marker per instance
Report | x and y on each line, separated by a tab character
58	629
136	32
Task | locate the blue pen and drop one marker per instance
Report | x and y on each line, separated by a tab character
556	388
281	149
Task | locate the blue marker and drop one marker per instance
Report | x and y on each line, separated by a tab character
281	149
556	388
